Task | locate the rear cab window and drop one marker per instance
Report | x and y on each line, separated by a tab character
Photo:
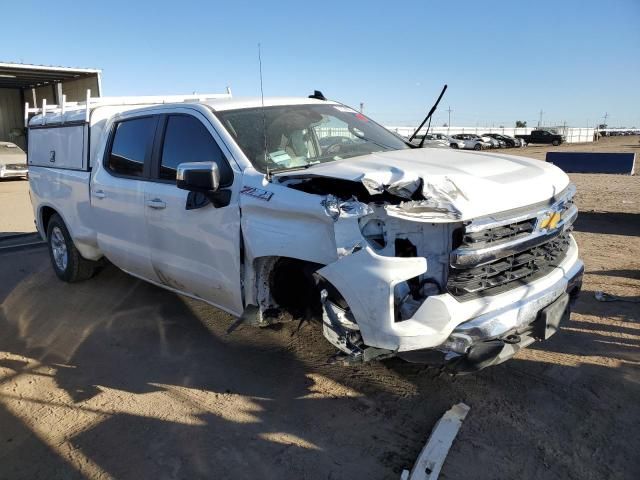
130	146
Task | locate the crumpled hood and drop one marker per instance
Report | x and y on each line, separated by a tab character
470	184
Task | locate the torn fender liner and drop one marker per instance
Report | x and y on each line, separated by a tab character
366	281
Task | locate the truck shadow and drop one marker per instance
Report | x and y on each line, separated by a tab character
146	384
633	274
609	223
150	387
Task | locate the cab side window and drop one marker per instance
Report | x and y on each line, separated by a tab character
132	140
187	140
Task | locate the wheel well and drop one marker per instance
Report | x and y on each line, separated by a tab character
45	215
293	287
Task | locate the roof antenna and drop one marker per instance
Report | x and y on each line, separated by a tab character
264	119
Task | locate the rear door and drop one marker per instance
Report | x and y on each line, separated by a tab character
117	196
194	251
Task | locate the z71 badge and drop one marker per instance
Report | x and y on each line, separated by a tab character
257	192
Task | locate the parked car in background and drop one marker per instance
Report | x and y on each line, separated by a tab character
327	142
544	136
507	140
430	140
494	142
472	142
453	142
13	161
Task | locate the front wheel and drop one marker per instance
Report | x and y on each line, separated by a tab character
555	143
477	146
454	145
66	260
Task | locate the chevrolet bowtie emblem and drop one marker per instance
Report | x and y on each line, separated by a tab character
550	220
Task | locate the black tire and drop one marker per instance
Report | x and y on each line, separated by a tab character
477	146
555	143
454	145
74	268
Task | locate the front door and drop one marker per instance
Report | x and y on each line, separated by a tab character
194	251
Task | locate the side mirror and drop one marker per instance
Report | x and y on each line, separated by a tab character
202	180
203	177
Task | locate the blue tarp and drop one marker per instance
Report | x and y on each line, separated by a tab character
592	162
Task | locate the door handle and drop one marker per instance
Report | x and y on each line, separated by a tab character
156	203
99	194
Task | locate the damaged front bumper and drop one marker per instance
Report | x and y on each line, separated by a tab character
490	340
442	325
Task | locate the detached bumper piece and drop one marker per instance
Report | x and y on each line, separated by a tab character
497	350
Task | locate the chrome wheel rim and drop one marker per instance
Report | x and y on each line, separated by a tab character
59	249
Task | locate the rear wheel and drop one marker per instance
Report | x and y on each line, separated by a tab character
66	260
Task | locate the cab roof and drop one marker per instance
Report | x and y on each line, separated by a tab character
256	102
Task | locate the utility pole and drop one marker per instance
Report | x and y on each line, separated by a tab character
606	115
449	122
361	107
540	120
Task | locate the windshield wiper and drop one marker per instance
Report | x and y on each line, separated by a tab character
428	117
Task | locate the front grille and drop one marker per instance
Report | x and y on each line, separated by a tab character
508	272
503	232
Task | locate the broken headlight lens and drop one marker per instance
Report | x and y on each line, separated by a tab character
334	207
331	207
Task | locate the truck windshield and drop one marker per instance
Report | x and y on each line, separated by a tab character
299	136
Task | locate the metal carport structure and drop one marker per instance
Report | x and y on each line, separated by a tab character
21	83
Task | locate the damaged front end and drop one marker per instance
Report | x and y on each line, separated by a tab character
396	269
392	243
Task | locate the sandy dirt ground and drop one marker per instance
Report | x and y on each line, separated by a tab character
16	214
115	378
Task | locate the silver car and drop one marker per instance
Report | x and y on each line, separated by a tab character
472	142
430	140
13	161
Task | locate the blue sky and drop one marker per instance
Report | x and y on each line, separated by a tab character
503	61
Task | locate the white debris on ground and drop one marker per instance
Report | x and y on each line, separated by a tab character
432	456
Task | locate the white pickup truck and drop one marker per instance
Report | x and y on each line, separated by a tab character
305	208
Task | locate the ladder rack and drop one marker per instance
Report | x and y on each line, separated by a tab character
92	102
